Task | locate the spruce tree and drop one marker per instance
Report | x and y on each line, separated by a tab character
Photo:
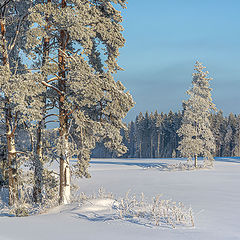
139	134
158	132
236	151
219	128
195	132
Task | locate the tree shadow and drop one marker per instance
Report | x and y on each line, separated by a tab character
133	163
164	166
228	159
6	215
110	217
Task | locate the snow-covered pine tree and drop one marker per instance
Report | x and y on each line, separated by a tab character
146	142
38	161
5	102
195	132
17	85
219	128
231	128
228	142
236	150
170	125
158	132
151	134
139	134
85	37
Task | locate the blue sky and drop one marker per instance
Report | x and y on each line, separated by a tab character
165	38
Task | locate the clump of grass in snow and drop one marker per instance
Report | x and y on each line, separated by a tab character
132	208
157	212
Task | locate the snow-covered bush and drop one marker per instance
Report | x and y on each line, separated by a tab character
25	205
157	212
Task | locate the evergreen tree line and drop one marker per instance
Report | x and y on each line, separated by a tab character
155	135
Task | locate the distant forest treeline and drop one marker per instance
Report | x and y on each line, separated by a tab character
154	136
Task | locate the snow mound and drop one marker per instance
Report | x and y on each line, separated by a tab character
97	205
133	208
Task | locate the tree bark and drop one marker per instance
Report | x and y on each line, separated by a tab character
38	167
64	192
4	166
195	160
12	161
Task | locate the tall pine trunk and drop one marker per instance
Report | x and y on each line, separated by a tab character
38	167
12	161
64	192
11	150
38	161
4	165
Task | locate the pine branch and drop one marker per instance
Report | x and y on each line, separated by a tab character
53	79
49	115
54	88
52	121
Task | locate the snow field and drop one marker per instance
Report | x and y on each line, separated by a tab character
213	195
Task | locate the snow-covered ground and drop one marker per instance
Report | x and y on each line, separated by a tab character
213	194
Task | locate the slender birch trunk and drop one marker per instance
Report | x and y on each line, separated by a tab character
64	192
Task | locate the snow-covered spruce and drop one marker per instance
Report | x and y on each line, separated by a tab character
197	138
